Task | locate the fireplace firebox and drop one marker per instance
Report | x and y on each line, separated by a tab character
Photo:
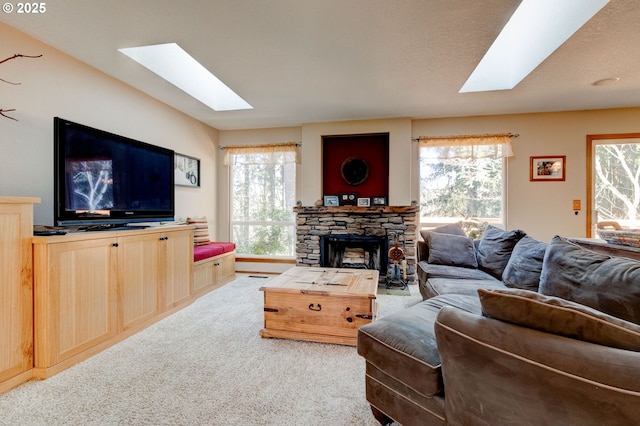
373	249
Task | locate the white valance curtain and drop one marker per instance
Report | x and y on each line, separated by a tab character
467	146
277	153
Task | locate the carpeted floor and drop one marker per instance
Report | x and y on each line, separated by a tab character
206	365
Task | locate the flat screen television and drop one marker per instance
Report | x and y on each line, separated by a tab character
103	180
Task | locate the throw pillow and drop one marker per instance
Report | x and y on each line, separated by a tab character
558	316
452	250
525	264
494	249
608	284
201	233
452	229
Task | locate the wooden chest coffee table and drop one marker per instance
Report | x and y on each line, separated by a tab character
320	304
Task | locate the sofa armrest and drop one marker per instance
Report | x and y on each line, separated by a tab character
423	250
500	373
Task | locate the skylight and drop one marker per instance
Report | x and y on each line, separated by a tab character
179	68
536	29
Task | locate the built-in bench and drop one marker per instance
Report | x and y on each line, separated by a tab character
214	264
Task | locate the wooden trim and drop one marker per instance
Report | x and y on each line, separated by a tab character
248	259
590	142
356	209
258	273
19	200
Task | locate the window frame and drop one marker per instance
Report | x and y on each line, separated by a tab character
592	141
500	222
291	225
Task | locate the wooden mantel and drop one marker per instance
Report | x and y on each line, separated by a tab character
356	209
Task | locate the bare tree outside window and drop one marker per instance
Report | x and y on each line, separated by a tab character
617	183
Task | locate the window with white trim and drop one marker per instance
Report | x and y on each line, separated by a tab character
462	180
262	187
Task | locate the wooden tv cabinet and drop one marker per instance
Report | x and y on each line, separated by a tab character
94	289
16	298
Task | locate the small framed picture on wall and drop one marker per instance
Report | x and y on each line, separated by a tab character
187	170
547	168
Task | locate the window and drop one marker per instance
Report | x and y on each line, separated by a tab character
462	179
262	187
615	185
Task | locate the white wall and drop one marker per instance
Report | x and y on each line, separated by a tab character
58	85
542	209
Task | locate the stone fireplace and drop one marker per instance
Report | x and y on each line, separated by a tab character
366	231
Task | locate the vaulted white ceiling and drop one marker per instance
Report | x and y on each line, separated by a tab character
301	61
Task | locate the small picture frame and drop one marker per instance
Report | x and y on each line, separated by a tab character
348	199
547	168
379	201
331	201
364	202
186	170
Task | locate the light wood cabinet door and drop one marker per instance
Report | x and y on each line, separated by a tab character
177	251
226	268
139	278
94	289
16	337
75	293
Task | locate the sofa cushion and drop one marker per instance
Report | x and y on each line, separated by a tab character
525	264
451	229
438	286
431	270
206	251
608	284
558	316
403	344
453	250
495	247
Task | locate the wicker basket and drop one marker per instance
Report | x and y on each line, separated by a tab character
624	237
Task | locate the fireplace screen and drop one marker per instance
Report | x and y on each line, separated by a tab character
354	251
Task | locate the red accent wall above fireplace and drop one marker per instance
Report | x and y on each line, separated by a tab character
372	148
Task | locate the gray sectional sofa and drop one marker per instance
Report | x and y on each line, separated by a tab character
512	331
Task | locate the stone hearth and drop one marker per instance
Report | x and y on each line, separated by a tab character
381	221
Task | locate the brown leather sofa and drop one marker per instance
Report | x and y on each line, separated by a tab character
566	354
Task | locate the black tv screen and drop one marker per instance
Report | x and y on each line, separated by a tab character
104	179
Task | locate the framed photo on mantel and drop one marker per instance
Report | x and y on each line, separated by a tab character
331	201
378	201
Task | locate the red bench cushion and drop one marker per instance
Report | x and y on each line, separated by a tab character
212	249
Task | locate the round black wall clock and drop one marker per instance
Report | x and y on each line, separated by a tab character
354	170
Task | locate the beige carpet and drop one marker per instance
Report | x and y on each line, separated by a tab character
206	365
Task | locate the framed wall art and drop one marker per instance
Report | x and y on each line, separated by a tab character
186	170
547	168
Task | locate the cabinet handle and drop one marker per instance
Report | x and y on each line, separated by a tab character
115	245
164	238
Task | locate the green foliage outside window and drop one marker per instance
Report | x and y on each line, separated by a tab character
461	188
262	200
